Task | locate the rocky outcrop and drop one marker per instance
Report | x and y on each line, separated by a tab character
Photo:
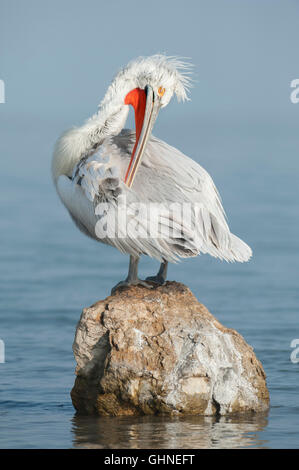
144	351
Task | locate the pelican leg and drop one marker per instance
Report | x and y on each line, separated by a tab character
132	278
161	276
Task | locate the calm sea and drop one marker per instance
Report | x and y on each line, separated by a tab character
50	271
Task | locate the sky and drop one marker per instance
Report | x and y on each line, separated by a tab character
57	58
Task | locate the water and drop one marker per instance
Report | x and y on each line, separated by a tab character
50	271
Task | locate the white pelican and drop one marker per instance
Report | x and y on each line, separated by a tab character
101	172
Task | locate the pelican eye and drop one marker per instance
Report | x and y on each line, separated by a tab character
161	91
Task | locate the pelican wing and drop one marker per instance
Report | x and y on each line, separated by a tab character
169	177
167	184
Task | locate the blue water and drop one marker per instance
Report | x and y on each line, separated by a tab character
50	271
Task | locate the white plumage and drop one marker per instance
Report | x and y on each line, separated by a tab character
90	164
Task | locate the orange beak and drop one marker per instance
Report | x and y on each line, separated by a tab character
146	110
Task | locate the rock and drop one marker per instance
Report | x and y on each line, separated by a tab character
155	351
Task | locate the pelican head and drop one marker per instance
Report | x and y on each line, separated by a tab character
147	84
165	75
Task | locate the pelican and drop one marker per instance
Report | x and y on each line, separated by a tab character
111	179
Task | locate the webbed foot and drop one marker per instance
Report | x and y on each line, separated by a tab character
156	279
133	282
161	276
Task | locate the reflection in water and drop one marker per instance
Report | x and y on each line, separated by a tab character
156	432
